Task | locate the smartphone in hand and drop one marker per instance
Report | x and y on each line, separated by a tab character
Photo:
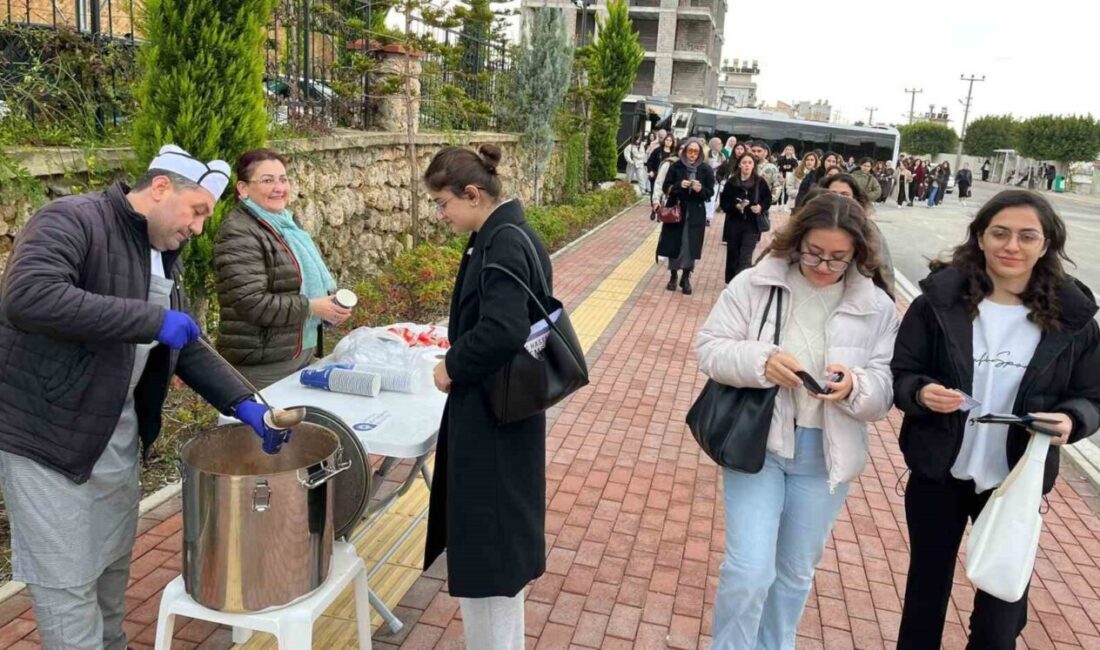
810	384
1026	421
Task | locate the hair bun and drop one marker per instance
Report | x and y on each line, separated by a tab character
490	155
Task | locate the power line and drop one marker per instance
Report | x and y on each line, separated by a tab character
871	117
966	114
912	100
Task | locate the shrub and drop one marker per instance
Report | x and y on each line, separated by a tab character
416	285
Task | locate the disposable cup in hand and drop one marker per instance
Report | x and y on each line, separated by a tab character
346	298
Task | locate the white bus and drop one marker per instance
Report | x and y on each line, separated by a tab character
880	143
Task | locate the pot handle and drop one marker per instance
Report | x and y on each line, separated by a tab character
322	475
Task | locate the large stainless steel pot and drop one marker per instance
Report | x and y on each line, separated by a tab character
257	529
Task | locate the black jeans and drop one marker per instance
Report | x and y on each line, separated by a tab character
741	239
937	513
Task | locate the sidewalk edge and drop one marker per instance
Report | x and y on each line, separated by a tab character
580	240
1085	455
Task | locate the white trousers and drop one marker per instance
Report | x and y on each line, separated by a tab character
493	623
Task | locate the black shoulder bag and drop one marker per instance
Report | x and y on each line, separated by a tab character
731	424
528	384
763	221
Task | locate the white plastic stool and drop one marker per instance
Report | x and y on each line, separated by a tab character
292	625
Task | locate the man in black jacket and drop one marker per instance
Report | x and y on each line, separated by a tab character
92	327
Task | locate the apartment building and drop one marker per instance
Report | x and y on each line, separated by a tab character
682	39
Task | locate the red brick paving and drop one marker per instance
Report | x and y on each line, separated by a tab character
634	523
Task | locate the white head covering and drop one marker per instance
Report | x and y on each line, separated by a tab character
212	176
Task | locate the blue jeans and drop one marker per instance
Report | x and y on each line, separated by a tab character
932	196
777	522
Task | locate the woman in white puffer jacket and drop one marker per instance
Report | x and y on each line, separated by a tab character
835	320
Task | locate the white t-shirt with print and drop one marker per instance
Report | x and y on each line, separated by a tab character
1004	342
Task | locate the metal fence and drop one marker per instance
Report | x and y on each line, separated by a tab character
68	63
463	78
317	59
320	54
109	18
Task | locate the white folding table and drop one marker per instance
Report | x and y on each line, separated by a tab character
409	432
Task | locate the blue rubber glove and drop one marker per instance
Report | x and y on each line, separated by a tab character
252	413
178	330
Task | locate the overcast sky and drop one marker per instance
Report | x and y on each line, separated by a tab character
1038	57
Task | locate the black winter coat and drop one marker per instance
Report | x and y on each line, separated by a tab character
263	311
74	304
935	346
808	181
488	500
656	157
693	210
759	194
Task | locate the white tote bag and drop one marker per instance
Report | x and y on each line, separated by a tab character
1000	553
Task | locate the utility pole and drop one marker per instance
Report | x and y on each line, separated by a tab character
966	114
871	117
912	100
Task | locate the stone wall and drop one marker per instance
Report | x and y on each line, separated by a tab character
353	190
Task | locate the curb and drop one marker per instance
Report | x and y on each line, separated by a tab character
607	222
1085	455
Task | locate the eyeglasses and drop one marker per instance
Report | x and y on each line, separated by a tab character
813	261
441	205
1028	238
271	181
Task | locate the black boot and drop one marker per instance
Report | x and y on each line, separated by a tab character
672	281
685	283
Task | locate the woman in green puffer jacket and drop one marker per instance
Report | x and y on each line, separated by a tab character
274	288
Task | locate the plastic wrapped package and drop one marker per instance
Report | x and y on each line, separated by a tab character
403	369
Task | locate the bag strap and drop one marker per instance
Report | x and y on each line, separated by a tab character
577	355
778	313
767	308
534	256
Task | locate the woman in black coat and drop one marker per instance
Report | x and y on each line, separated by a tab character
488	498
689	183
653	163
744	199
1003	322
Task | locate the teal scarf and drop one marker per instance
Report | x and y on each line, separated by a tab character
317	282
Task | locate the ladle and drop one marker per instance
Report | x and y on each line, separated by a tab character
275	418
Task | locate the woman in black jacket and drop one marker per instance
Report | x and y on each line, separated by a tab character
488	500
653	163
1003	322
745	198
689	183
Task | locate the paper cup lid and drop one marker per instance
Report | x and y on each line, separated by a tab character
347	298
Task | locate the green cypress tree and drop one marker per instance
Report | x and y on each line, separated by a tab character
202	89
543	70
614	63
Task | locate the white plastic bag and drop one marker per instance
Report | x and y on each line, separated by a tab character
1000	553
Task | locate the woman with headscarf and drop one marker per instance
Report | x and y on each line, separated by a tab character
688	184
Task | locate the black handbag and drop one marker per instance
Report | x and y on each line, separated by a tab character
731	424
527	384
763	221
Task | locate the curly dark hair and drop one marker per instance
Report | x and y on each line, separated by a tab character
832	211
1041	294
